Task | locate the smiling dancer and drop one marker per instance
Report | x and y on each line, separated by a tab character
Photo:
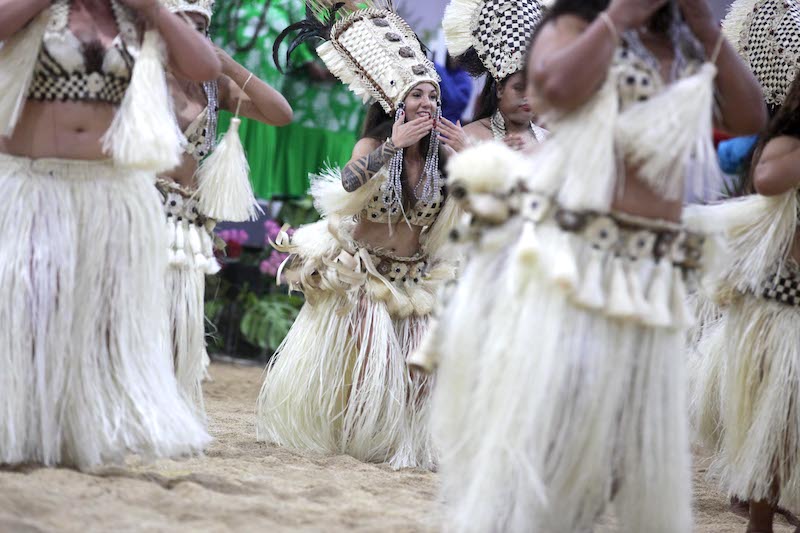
578	274
371	267
83	342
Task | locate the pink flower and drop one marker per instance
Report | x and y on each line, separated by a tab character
239	236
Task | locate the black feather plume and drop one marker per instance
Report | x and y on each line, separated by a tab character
310	29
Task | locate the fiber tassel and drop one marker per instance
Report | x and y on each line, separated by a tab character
563	269
687	107
591	294
195	246
659	295
18	57
224	191
210	266
180	244
527	249
636	289
620	303
171	242
682	311
426	357
144	133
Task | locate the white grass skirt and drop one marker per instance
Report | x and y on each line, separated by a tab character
87	374
339	383
754	390
546	412
191	256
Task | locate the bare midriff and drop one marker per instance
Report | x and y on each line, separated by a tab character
402	242
63	130
638	199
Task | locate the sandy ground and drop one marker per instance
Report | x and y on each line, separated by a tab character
242	485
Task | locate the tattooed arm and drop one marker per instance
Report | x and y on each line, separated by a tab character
361	169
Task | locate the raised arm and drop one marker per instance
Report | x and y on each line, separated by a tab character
17	13
368	158
370	155
778	169
741	102
259	101
571	57
191	55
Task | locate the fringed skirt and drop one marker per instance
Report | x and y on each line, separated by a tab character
339	383
86	374
749	398
561	383
190	250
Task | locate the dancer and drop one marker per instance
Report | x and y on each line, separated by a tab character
87	377
746	361
490	37
190	228
370	269
578	277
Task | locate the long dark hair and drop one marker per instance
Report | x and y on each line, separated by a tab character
785	121
489	102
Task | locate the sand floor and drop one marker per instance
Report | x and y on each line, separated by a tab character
242	485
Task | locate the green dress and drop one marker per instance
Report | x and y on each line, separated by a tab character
327	116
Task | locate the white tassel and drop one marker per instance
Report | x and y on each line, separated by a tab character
687	109
224	188
527	249
587	127
144	133
171	233
636	288
195	246
18	57
682	312
180	245
426	357
620	303
591	294
659	295
563	269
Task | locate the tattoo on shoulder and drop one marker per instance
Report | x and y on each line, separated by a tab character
359	172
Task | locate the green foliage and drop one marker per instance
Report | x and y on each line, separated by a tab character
267	319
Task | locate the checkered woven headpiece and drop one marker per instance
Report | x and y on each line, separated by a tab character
498	30
766	33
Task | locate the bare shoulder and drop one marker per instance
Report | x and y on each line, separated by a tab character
780	146
558	32
364	147
479	130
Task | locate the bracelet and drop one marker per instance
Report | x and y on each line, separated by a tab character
389	143
612	28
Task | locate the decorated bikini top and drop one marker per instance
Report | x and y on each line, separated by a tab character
659	127
69	70
382	207
638	74
201	134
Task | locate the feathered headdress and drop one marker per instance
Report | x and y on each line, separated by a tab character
491	35
373	50
203	7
